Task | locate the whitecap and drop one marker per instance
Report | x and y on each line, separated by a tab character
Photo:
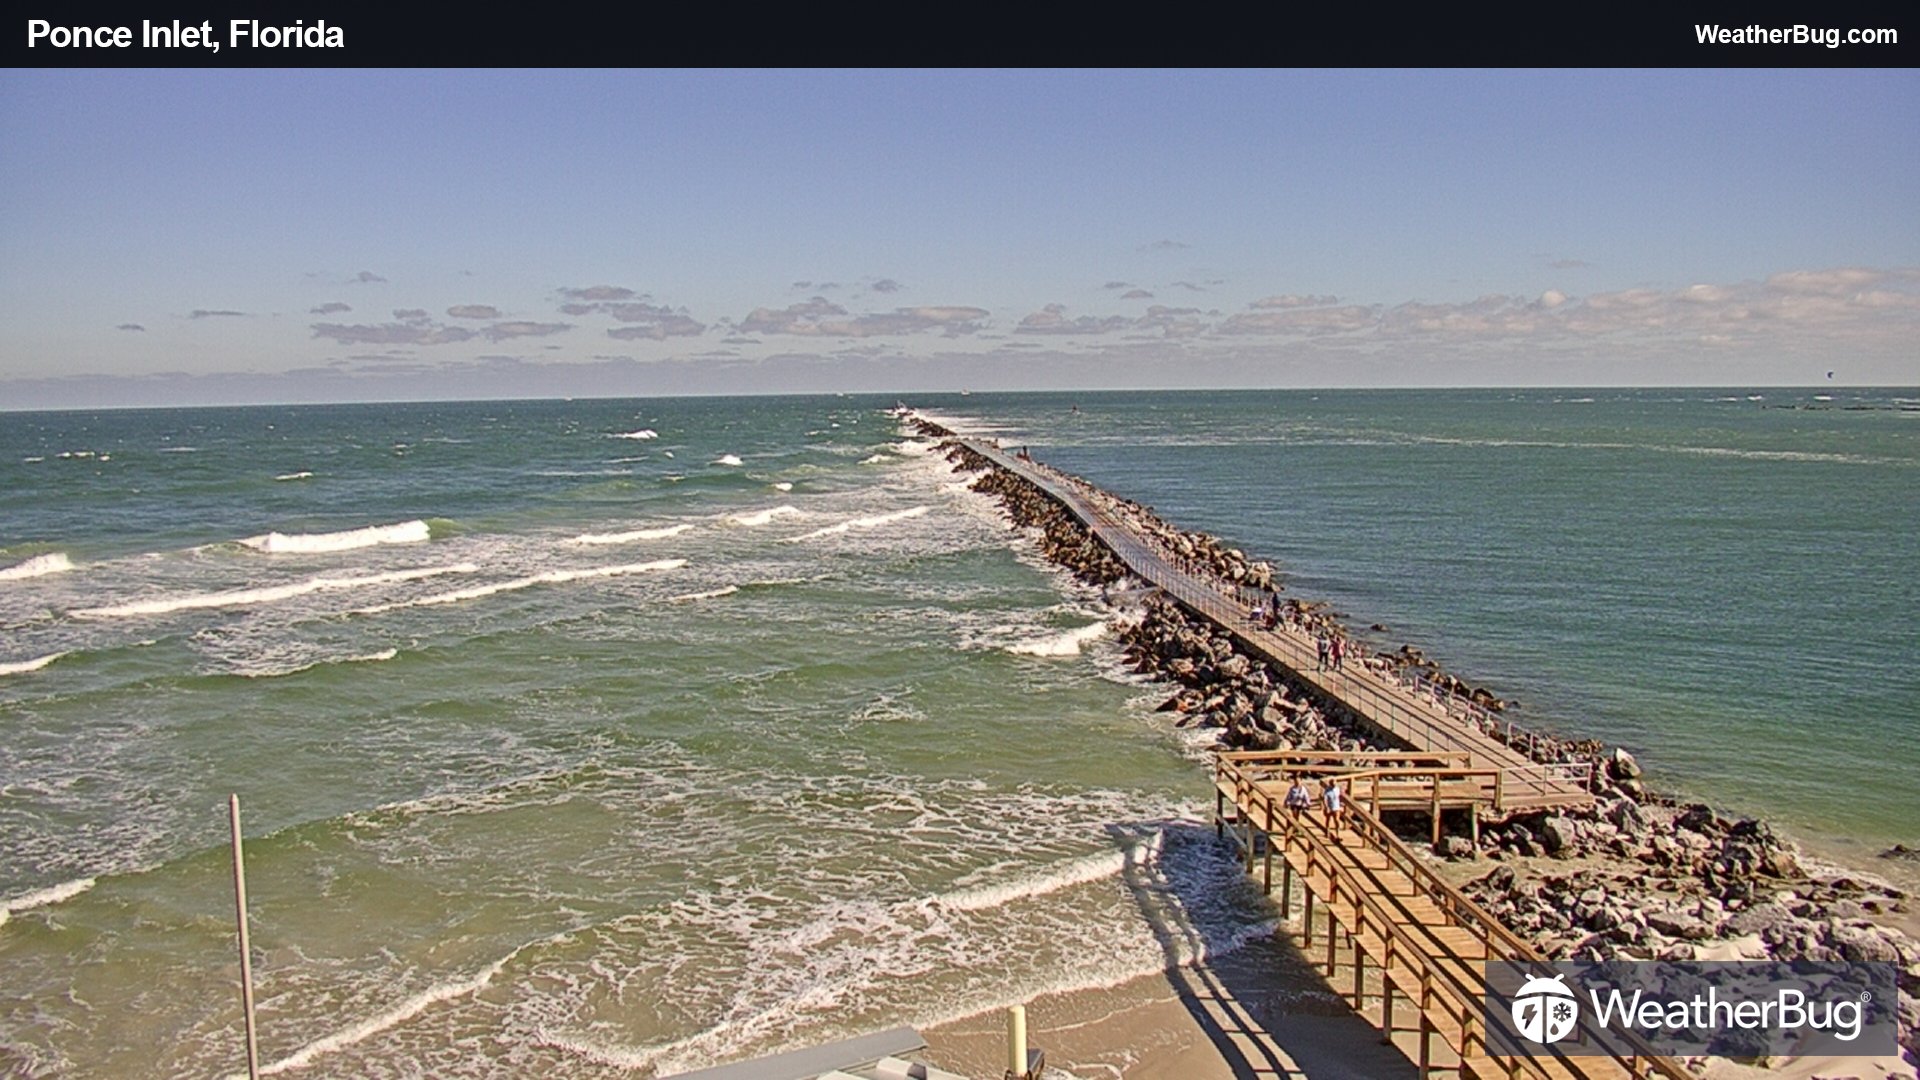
302	475
725	590
269	672
783	485
861	523
877	459
406	532
1063	644
179	450
551	577
268	594
54	562
52	894
643	433
25	666
629	537
761	517
728	459
1077	872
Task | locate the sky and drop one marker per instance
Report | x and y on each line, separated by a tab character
214	237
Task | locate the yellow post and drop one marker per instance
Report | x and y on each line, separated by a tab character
1016	1042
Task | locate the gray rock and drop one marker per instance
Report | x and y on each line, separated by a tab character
1623	766
1557	835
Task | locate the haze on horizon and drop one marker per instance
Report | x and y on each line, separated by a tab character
210	237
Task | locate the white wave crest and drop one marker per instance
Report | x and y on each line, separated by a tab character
54	562
877	459
728	459
302	475
406	532
1077	872
52	894
551	577
725	590
761	517
629	537
275	672
25	666
873	522
246	597
1064	644
643	433
784	485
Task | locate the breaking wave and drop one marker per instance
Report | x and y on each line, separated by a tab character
406	532
1063	644
873	522
246	597
551	577
629	537
762	517
25	666
54	562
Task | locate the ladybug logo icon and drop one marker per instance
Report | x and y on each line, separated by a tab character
1544	1010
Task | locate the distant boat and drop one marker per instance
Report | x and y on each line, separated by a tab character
966	393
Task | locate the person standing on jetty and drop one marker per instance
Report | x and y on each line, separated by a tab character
1321	648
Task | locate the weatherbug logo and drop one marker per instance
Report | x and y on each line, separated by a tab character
1544	1010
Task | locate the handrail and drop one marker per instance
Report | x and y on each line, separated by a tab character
1455	905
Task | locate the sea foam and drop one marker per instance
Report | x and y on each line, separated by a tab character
406	532
267	595
725	590
643	433
728	459
629	537
54	562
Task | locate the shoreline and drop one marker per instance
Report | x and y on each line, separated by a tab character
1641	875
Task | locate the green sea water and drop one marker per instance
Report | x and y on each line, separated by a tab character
626	737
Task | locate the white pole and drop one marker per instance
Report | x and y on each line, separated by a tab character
1017	1042
246	947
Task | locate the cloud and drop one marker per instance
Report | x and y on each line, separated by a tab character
599	292
1166	245
332	307
1136	294
411	314
653	321
131	326
819	317
1191	286
364	277
1289	300
1052	319
887	285
1118	285
1307	321
505	330
394	333
473	311
1826	282
203	313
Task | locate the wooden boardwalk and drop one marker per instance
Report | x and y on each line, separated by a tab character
1401	709
1405	948
1401	945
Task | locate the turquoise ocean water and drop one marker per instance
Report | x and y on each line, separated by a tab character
620	737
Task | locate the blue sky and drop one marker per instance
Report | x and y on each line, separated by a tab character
203	236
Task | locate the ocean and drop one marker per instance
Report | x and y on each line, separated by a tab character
625	737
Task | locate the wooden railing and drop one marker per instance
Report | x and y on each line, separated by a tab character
1445	982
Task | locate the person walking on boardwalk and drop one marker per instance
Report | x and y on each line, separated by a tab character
1337	652
1331	800
1321	648
1298	799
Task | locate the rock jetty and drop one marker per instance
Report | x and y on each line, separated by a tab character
1635	876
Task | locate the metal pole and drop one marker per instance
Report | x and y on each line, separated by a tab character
246	946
